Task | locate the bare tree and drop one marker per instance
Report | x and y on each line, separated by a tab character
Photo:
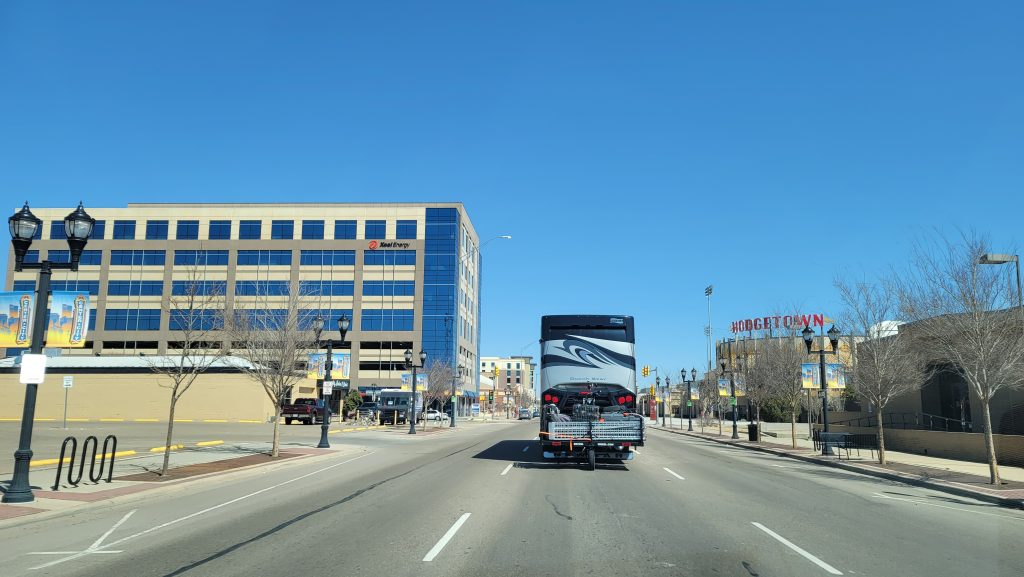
195	310
778	365
960	313
274	334
887	364
439	383
707	396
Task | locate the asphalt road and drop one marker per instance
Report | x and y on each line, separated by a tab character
481	501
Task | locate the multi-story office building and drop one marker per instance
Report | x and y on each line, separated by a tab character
515	373
408	275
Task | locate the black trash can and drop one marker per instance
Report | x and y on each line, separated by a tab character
752	432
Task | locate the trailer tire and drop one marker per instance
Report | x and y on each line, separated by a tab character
592	459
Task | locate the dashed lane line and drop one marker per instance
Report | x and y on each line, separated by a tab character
794	547
446	538
507	469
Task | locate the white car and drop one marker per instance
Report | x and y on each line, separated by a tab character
435	415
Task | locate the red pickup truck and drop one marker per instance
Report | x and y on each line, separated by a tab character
308	411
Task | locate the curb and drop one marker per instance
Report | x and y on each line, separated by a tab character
898	477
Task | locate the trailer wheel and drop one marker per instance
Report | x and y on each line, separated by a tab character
592	459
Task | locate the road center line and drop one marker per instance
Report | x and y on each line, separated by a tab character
446	537
673	473
805	554
507	469
880	496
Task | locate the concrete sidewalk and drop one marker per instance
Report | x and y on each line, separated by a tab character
963	478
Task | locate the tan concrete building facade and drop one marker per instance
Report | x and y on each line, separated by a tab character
517	373
407	275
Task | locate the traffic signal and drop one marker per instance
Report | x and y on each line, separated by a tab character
652	390
497	372
490	397
646	371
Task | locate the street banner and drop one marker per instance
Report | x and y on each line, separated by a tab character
694	395
723	387
809	376
69	319
16	319
835	376
317	364
741	386
421	381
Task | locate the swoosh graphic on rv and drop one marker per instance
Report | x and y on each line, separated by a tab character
585	354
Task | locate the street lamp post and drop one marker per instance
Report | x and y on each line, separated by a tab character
318	326
508	395
833	337
689	395
667	397
990	258
409	365
455	397
732	397
23	225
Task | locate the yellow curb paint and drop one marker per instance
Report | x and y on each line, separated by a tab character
209	443
161	449
43	462
215	420
347	430
360	428
111	420
334	431
78	420
46	419
182	420
146	421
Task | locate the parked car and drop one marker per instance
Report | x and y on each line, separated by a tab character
525	414
308	411
435	415
368	408
536	413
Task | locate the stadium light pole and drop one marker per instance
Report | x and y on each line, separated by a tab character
24	225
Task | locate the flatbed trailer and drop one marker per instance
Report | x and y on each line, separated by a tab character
587	441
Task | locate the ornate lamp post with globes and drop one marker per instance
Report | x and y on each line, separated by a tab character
318	326
409	365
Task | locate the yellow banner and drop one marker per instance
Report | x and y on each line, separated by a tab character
69	320
16	319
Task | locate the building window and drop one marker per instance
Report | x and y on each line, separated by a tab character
24	285
389	257
98	229
327	257
389	288
334	288
132	320
32	256
200	258
375	229
87	286
344	229
137	257
124	230
57	230
221	230
199	320
282	230
249	230
58	255
312	229
264	257
405	229
251	288
387	320
263	319
156	230
188	230
135	288
518	366
330	316
199	288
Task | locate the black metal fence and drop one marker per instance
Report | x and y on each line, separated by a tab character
915	421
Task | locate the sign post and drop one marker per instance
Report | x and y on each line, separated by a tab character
68	381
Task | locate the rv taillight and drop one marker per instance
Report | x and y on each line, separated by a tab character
629	398
547	398
554	399
622	400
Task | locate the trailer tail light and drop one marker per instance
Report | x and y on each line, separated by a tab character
547	398
627	444
554	399
629	398
556	444
622	400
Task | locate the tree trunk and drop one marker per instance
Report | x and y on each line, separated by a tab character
170	435
990	445
792	424
757	416
275	448
881	440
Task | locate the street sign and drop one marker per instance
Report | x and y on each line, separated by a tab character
732	401
328	388
68	381
33	369
689	403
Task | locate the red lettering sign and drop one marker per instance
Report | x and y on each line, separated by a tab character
778	321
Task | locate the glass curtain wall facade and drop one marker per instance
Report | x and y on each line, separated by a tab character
440	287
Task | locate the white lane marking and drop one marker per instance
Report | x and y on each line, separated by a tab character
676	475
880	496
445	538
507	469
224	504
525	449
94	548
805	554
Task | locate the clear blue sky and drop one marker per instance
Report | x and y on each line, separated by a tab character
637	151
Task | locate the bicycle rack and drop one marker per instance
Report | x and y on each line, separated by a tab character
95	477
